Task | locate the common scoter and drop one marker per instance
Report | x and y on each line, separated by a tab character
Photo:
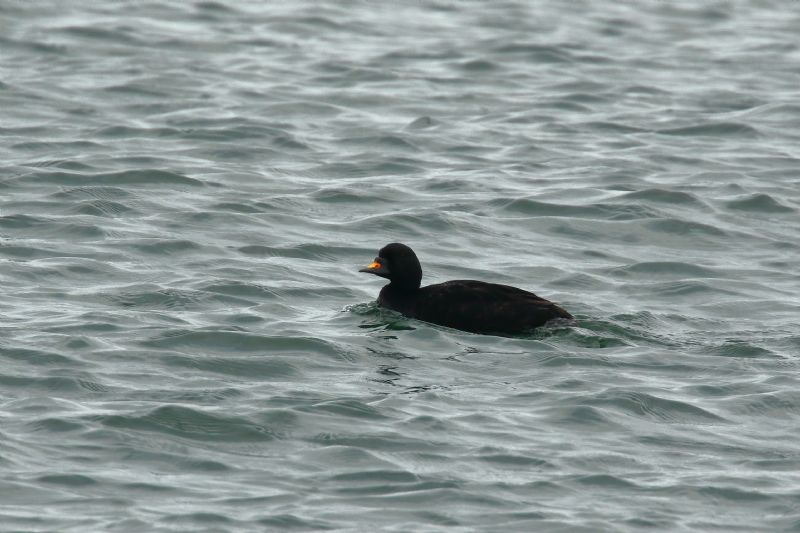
467	305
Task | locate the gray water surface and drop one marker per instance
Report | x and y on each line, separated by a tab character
187	191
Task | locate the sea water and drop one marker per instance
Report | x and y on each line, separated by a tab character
187	192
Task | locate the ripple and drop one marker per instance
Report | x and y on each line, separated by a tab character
349	408
584	416
304	109
664	196
682	288
598	211
135	88
733	494
58	385
240	289
303	251
423	122
132	132
199	518
57	425
741	349
238	341
645	405
273	369
125	178
364	170
69	480
286	522
28	252
191	423
763	203
236	207
165	246
535	53
684	227
612	127
102	208
675	269
718	129
155	299
478	65
607	481
99	34
21	222
394	143
769	404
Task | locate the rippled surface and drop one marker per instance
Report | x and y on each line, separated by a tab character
188	190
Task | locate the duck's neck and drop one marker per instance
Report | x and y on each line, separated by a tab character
401	287
397	298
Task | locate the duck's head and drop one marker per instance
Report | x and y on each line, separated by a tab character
399	264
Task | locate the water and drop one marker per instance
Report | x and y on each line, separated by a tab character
188	190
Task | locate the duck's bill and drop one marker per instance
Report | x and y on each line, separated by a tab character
376	267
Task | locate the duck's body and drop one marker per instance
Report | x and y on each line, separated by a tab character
468	305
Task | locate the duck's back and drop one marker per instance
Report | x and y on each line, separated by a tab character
474	306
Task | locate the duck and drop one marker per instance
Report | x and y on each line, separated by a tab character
467	305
